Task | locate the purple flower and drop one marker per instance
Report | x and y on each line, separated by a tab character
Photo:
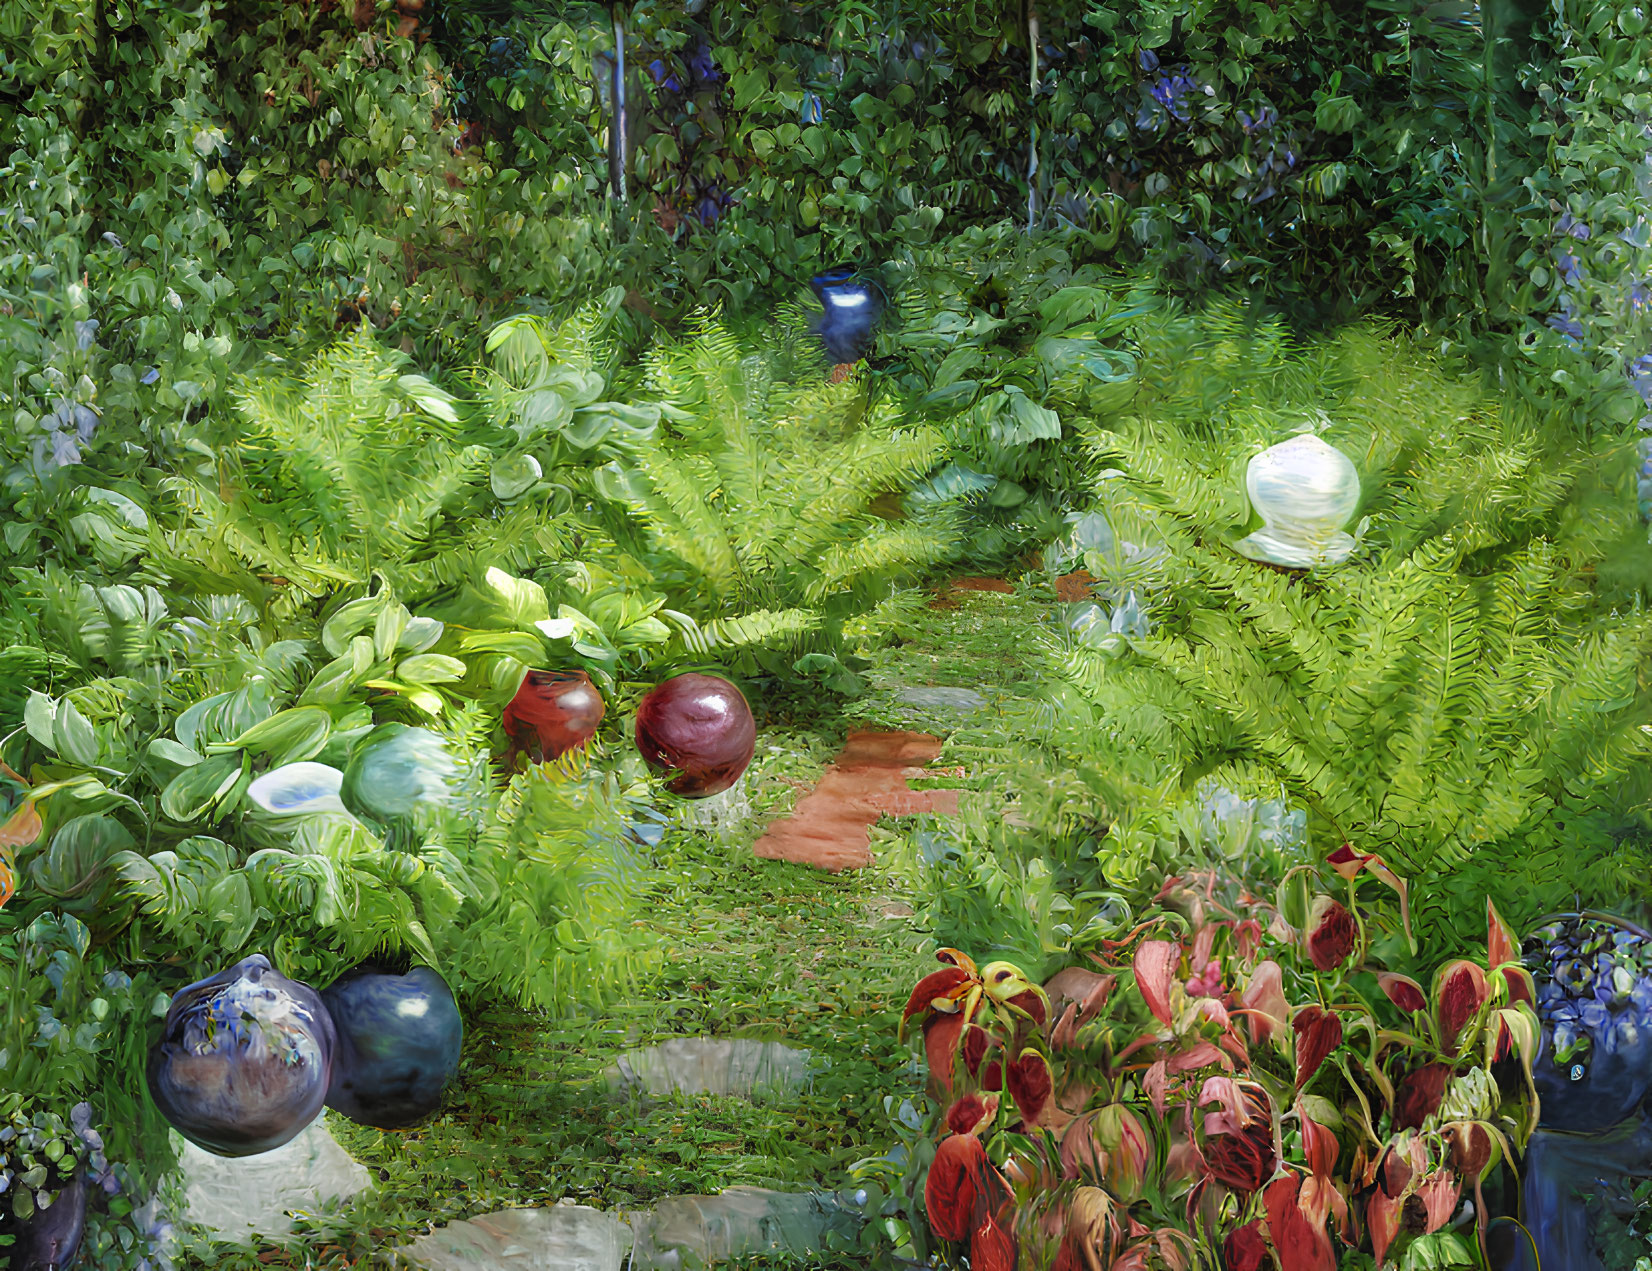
1148	60
1568	327
1265	119
1639	297
1170	90
1640	375
664	77
703	67
1594	1016
150	376
1568	266
1576	229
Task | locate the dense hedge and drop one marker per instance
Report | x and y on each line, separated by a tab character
188	183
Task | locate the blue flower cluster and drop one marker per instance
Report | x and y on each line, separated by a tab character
70	426
1568	321
1592	982
713	202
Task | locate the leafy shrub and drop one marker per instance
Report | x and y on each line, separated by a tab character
1327	1117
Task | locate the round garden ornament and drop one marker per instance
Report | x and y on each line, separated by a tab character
852	310
395	769
399	1038
244	1059
701	727
552	713
1305	491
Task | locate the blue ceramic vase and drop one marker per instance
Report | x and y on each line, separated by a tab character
399	1038
853	307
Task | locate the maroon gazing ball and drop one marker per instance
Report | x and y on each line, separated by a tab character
699	726
552	713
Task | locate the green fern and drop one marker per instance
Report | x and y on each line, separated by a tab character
1452	698
352	468
757	494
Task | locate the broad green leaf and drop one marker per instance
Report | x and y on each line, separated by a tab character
288	736
76	740
166	749
430	668
387	630
524	600
39	716
195	790
419	635
350	618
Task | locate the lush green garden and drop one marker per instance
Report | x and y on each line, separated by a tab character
362	356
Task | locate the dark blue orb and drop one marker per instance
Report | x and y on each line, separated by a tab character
399	1038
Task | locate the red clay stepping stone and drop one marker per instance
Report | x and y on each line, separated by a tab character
828	828
1072	588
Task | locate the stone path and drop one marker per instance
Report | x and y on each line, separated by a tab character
829	827
681	1233
234	1197
256	1193
716	1066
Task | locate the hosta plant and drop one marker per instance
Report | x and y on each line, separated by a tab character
1234	1083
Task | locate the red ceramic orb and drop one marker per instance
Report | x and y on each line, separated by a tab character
700	726
553	712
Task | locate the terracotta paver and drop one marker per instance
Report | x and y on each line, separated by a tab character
1074	587
829	827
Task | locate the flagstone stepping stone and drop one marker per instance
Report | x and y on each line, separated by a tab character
235	1195
829	827
964	701
560	1237
683	1233
711	1065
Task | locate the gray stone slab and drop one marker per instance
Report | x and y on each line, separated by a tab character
237	1195
964	701
683	1233
561	1237
709	1065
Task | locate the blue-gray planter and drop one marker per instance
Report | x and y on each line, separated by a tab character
853	307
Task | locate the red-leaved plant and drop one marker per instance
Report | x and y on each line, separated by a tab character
1223	1087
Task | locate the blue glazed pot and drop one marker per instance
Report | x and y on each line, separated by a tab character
243	1060
852	311
399	1038
50	1239
1593	1074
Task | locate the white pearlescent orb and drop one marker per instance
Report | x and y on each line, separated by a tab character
1305	490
